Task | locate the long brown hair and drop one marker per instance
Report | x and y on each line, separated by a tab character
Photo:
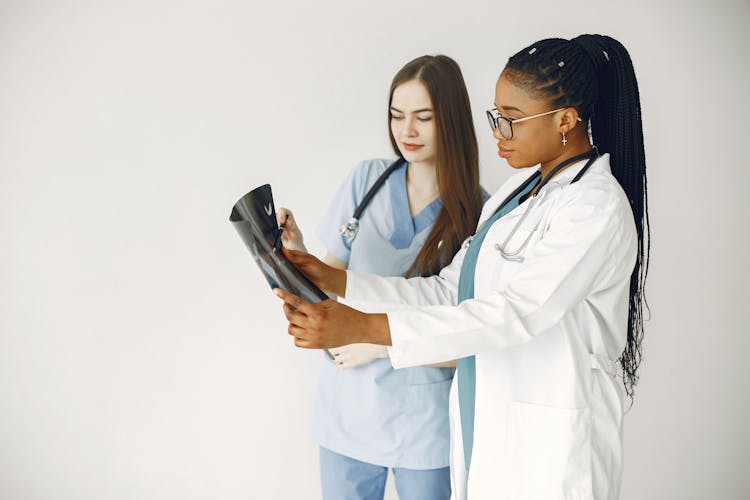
457	158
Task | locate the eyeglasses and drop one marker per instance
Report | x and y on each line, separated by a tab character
505	124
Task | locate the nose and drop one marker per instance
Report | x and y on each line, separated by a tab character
410	128
496	134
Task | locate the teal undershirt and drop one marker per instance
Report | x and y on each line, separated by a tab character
466	371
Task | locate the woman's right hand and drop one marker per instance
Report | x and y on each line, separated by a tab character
327	278
292	236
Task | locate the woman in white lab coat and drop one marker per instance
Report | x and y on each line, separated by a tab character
542	307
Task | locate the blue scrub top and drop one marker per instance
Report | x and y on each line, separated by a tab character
373	413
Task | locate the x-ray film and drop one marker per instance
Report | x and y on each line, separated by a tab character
254	218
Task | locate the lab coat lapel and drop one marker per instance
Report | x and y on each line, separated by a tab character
512	183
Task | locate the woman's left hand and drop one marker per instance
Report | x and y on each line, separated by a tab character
330	324
291	237
352	355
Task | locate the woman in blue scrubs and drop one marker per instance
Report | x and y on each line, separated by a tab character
370	417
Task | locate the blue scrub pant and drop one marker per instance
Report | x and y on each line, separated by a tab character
344	478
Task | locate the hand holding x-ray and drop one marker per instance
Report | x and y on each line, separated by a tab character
330	324
291	237
348	356
255	219
325	277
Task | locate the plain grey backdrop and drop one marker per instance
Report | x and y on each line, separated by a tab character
141	354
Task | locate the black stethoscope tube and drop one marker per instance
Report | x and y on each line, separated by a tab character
350	229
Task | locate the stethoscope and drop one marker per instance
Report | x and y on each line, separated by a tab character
515	255
351	228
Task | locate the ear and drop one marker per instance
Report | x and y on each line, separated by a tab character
568	118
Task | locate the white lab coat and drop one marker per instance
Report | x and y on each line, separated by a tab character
546	333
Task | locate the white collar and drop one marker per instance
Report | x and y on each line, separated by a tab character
564	177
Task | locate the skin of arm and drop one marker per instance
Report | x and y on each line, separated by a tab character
349	355
339	264
334	262
308	320
352	355
331	324
330	275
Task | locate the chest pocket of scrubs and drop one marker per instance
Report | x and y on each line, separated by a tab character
549	452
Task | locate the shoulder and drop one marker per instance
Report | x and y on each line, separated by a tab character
365	174
598	186
367	171
599	195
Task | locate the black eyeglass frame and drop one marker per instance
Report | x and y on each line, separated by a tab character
495	120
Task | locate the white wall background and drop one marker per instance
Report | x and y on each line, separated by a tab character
141	355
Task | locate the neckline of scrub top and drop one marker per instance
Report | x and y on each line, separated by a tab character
405	228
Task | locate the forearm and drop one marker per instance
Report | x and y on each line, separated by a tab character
376	330
336	275
334	282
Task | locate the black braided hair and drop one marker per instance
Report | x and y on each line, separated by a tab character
595	75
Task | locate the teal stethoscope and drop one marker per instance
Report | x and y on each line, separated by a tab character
516	255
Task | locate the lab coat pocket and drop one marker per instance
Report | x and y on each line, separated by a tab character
549	453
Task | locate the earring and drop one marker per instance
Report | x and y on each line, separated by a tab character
564	140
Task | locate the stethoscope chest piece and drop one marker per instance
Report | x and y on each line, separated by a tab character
349	230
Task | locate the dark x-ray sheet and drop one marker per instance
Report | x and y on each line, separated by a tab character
254	218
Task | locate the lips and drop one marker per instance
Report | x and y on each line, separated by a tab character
504	153
411	147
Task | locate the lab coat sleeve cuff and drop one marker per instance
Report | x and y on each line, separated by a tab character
399	357
353	290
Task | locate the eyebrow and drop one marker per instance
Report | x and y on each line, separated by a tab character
509	108
423	110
